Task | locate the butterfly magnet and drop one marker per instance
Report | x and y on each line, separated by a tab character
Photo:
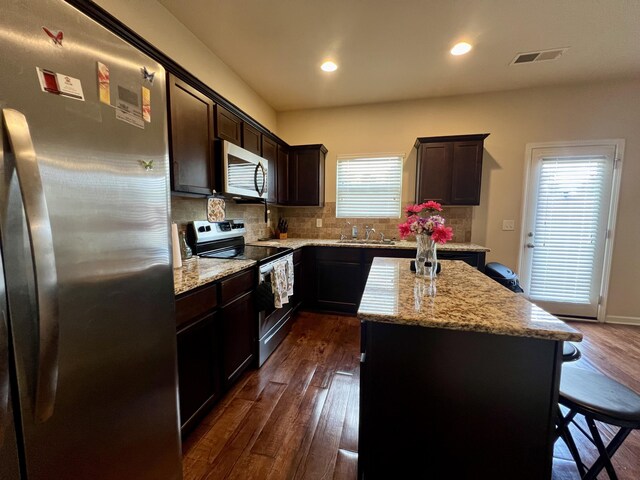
147	75
56	37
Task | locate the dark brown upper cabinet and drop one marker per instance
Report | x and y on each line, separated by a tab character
191	126
228	126
449	169
305	176
282	176
270	154
251	139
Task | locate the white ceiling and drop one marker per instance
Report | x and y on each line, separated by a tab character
399	49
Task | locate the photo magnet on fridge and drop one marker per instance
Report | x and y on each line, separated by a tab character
104	87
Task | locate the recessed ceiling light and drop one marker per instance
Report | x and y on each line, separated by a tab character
329	66
461	48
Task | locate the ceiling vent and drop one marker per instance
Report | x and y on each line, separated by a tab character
539	56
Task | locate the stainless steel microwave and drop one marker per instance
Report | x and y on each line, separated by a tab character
245	173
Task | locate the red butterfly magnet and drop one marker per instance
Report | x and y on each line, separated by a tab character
57	38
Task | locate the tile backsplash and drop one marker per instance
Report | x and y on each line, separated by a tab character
302	222
186	209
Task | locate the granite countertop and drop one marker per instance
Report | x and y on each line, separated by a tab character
198	271
296	243
465	299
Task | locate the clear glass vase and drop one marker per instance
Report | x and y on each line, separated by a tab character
426	257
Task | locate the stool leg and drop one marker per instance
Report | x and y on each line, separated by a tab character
605	459
564	432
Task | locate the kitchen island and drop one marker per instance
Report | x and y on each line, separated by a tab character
459	377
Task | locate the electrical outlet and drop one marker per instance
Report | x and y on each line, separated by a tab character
318	222
508	225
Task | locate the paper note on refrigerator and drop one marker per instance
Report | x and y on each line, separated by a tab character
104	88
128	107
146	104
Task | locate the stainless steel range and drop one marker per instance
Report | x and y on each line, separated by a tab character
225	240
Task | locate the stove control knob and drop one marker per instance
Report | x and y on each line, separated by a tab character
201	229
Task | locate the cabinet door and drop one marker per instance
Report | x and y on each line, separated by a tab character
239	336
191	127
228	126
338	279
433	174
282	179
198	368
466	173
251	139
270	154
306	176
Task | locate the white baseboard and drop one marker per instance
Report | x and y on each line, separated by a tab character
623	320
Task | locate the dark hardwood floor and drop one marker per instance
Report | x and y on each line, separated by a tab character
297	417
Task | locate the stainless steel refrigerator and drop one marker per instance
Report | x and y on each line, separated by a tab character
88	384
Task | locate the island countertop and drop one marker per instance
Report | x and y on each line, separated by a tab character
464	299
197	271
296	243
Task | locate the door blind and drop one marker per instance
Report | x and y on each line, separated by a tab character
569	218
369	187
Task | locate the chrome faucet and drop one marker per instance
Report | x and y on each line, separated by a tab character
381	236
347	227
368	231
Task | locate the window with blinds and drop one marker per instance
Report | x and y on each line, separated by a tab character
569	226
369	186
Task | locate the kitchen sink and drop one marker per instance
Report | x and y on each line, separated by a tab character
367	242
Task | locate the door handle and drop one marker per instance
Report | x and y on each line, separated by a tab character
44	262
259	190
4	366
530	245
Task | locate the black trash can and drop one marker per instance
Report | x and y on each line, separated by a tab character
503	275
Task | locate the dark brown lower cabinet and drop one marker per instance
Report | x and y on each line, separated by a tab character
198	368
455	404
239	331
338	279
335	277
216	344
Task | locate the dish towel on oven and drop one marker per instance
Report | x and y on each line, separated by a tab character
279	284
289	261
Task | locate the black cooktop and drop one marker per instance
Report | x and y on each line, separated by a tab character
261	254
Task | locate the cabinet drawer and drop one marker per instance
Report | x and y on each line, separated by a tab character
338	254
297	256
192	305
237	284
371	253
472	258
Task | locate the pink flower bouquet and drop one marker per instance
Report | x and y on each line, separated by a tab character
424	219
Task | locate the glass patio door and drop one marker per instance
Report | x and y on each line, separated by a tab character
566	228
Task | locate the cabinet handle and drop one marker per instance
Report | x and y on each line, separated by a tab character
363	357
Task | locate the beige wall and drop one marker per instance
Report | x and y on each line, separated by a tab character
514	118
154	23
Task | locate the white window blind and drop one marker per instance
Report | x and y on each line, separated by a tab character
568	222
379	294
369	186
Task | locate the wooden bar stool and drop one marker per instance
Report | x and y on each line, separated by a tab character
596	397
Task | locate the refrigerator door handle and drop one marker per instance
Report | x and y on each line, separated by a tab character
4	368
44	262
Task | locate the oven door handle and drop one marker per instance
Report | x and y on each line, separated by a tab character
263	274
